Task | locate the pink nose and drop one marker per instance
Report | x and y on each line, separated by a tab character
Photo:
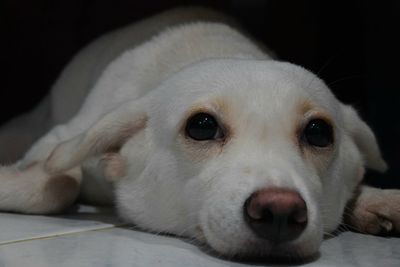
276	214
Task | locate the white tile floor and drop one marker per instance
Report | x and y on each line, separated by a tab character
93	238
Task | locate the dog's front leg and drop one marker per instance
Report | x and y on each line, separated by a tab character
375	211
27	187
32	190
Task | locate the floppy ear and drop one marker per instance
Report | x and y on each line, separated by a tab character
364	139
107	134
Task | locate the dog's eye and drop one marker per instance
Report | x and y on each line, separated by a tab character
203	126
318	133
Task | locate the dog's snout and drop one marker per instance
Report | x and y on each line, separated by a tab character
278	215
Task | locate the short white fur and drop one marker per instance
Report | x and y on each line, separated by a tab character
130	94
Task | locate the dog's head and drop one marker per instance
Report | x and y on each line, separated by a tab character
254	158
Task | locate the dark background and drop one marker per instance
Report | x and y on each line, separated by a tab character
350	44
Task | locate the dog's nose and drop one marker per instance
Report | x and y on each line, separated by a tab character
276	214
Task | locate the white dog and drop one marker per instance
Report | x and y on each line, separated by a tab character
202	134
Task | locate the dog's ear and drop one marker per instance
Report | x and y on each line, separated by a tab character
364	139
106	135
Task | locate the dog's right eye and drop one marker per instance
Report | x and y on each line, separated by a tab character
203	126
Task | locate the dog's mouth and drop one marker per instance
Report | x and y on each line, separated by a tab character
282	254
259	251
277	256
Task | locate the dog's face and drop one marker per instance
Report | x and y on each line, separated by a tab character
255	158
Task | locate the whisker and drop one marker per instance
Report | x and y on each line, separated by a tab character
344	79
327	63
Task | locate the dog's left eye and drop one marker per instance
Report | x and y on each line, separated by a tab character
203	126
318	133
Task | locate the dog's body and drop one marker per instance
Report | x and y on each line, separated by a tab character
123	114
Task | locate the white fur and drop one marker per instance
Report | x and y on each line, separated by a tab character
130	93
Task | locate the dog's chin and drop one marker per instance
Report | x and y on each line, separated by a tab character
278	256
261	250
265	253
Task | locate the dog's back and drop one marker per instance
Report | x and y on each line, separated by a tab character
79	77
83	72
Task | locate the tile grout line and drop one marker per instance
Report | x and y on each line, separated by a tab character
67	233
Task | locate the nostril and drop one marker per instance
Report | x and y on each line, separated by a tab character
267	216
279	215
299	214
256	210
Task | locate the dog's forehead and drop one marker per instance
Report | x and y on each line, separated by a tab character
251	86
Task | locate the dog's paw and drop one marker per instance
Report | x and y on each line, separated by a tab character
375	211
30	189
59	193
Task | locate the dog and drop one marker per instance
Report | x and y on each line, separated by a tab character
191	128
